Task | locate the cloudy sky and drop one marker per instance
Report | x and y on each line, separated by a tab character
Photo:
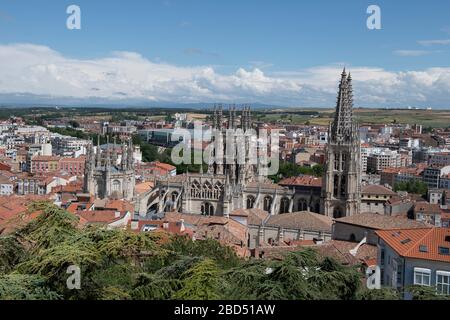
186	51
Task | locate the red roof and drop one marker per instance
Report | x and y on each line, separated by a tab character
101	216
419	243
302	181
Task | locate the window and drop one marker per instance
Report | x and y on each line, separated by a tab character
443	282
444	251
267	203
422	277
250	202
116	185
284	205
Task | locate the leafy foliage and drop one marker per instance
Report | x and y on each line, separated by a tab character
414	186
11	253
288	169
201	282
425	293
25	287
381	294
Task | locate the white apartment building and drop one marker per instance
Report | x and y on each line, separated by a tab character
381	158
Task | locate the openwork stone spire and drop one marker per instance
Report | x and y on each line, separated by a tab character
342	127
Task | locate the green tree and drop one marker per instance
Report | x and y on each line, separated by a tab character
412	186
201	282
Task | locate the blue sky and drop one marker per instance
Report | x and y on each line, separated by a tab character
286	42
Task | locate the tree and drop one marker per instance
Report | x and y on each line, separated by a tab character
201	282
25	287
379	294
11	253
425	293
412	186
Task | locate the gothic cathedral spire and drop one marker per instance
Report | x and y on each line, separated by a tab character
341	184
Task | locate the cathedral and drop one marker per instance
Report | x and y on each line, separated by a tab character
107	175
341	194
232	181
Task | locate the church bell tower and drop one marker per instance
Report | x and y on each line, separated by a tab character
341	195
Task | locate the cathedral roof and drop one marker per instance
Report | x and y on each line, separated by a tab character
301	220
264	185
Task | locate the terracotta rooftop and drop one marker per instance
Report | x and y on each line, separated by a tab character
101	216
45	158
301	220
302	181
164	166
427	244
381	222
254	216
426	207
375	189
80	159
144	187
340	250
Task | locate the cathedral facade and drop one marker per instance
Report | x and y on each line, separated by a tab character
341	190
107	176
232	181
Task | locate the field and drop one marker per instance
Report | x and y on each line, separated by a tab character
311	116
427	118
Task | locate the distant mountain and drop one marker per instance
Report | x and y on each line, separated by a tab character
25	100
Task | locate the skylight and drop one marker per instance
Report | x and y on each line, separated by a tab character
444	251
423	248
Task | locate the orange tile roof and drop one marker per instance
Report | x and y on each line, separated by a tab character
119	205
304	180
377	190
102	216
408	242
80	159
144	187
164	166
45	158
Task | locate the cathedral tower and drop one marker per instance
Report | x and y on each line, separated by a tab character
341	184
105	177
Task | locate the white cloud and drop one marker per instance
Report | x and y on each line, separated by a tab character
434	42
39	70
411	53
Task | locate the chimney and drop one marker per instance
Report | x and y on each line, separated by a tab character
318	240
182	227
134	225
